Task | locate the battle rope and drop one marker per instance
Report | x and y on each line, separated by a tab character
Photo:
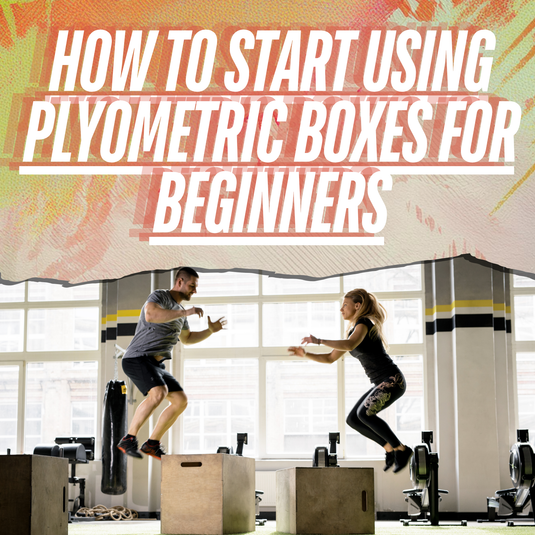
101	512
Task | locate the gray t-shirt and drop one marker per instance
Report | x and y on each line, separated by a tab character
151	339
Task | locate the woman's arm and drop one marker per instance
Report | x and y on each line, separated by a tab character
351	343
323	358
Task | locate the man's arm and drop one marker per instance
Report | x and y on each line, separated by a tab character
188	337
154	313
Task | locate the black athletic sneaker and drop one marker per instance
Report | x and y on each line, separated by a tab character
389	460
128	445
154	451
402	458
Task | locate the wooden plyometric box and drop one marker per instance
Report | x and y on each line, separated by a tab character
208	494
33	495
325	500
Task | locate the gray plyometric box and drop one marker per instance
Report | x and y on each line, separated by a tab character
34	494
325	500
210	494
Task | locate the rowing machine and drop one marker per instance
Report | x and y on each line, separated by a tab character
322	457
517	501
423	500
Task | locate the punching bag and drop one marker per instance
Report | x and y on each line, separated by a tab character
114	426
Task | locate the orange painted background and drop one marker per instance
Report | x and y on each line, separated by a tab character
79	228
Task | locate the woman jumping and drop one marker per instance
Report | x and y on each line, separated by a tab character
366	342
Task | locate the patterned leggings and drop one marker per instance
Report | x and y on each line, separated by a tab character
363	417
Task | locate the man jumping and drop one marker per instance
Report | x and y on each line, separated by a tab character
161	322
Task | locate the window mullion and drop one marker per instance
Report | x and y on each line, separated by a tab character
342	388
341	405
69	356
21	407
518	366
262	408
262	377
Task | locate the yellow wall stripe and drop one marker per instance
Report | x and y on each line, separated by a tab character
121	314
476	303
128	313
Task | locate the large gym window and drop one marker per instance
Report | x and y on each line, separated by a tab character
524	344
223	397
243	379
49	354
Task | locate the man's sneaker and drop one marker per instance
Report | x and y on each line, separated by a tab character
389	460
155	451
128	445
402	458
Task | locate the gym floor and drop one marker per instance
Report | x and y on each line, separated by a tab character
152	527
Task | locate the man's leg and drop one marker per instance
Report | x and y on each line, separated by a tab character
154	397
178	402
128	443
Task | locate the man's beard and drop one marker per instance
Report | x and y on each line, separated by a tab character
184	296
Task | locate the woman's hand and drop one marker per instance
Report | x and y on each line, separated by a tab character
310	340
296	351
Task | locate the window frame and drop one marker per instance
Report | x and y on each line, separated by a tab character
519	346
25	357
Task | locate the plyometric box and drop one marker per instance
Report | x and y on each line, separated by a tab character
33	495
325	500
208	494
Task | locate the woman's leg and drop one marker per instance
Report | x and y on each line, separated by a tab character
378	398
358	425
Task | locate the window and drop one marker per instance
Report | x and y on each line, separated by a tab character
301	406
231	283
65	329
33	426
49	335
274	286
11	331
242	328
12	293
84	418
524	343
405	279
525	317
242	379
222	401
525	373
285	324
9	395
61	400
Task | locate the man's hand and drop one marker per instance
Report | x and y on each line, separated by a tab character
216	325
195	310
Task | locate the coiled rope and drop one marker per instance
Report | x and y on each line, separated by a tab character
102	512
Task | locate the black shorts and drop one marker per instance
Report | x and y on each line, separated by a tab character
147	372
